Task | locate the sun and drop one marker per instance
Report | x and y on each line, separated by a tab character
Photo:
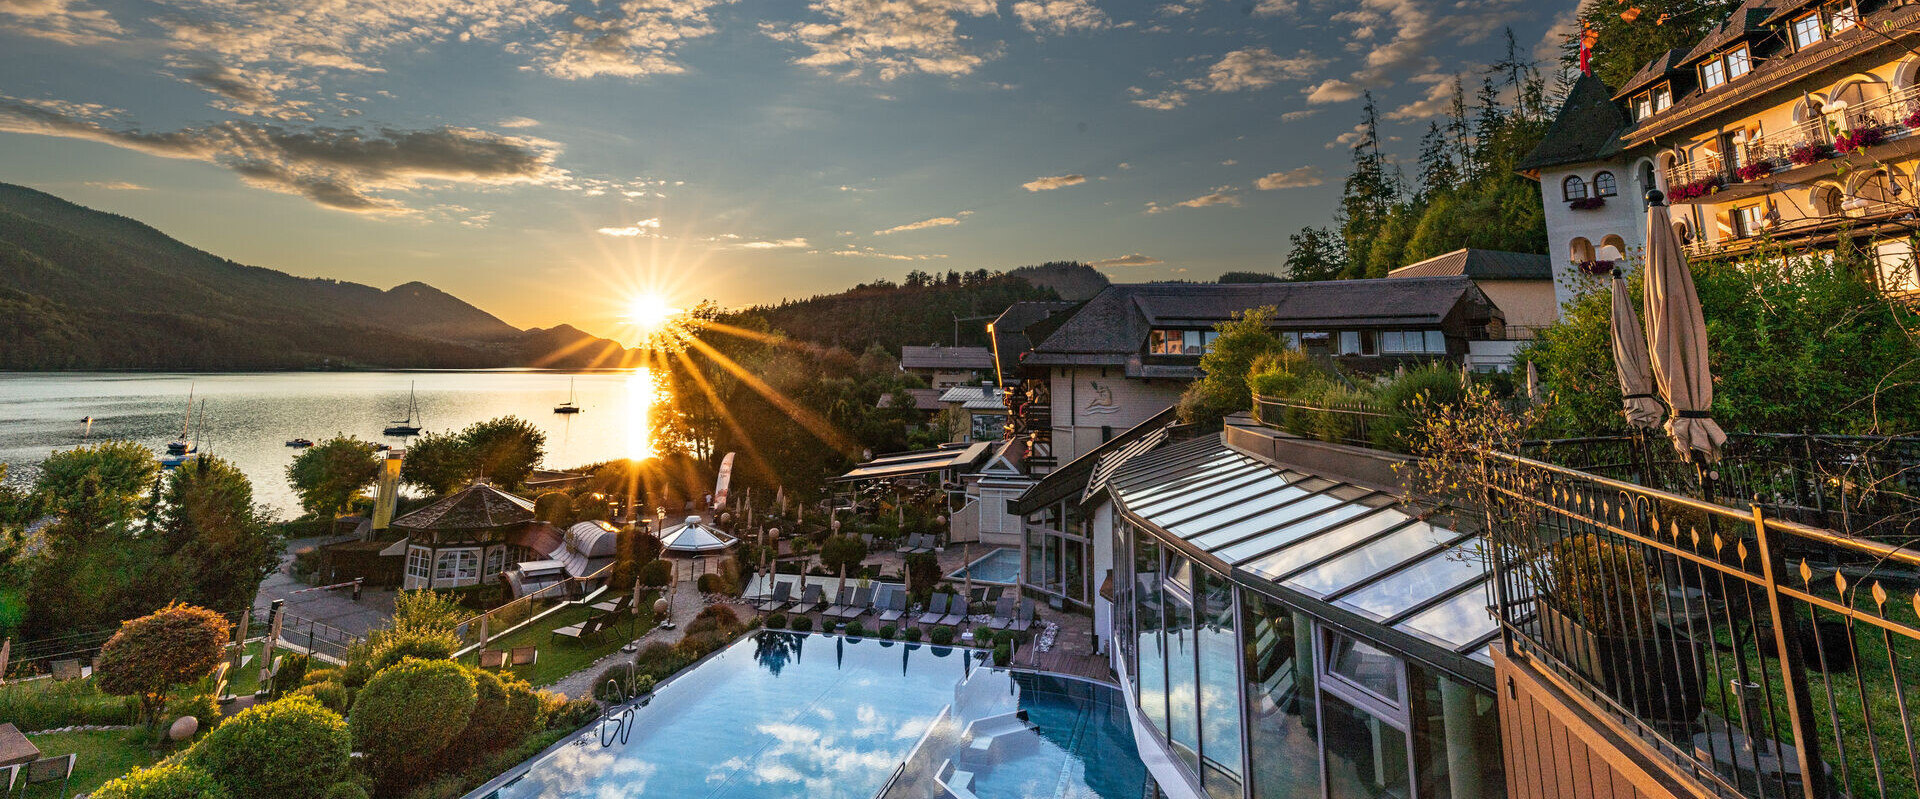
650	313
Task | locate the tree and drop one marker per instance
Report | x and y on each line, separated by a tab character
1623	46
554	507
1367	197
843	552
1317	254
327	476
1222	389
213	545
407	715
96	490
150	655
656	573
437	462
1248	277
505	449
288	747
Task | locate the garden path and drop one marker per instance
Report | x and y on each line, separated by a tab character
687	602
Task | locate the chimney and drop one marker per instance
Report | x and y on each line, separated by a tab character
389	484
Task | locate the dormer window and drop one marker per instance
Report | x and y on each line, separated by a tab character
1713	74
1738	62
1806	31
1648	103
1842	17
1662	98
1573	188
1642	107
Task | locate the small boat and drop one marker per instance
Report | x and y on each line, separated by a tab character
406	427
181	449
568	406
302	443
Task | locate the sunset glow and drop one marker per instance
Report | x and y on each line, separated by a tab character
650	312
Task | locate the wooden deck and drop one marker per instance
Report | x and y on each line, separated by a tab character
1059	661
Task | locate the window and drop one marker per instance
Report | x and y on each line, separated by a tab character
1180	342
496	561
1316	342
1662	98
1359	342
1281	726
1436	342
1364	666
1738	63
418	559
1413	342
1713	73
1604	186
1751	219
1843	17
1292	337
456	564
1642	106
1806	31
1573	188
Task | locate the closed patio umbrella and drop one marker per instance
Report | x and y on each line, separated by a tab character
1630	360
1677	340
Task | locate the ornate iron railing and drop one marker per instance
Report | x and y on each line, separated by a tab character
1765	657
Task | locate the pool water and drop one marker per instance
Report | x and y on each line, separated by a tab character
781	715
1001	567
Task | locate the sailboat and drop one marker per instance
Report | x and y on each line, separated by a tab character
406	427
568	406
181	449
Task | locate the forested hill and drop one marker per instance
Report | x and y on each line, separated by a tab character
917	311
83	289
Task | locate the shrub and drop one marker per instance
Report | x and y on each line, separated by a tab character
406	715
710	584
887	631
697	644
331	695
656	574
1002	637
1002	655
854	629
314	676
150	655
941	635
46	705
913	634
982	634
572	714
504	712
345	790
723	614
802	624
275	750
199	704
292	673
426	611
164	781
555	508
777	621
1410	397
397	645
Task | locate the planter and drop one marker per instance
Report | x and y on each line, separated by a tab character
1666	694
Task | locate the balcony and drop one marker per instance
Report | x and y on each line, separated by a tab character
1884	115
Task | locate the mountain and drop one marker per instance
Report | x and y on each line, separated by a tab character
1072	280
84	289
921	310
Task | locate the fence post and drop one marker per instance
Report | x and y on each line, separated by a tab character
1806	731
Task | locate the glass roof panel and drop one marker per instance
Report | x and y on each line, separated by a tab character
1274	500
1278	564
1182	504
1371	559
1301	528
1227	467
1461	620
1438	574
1230	531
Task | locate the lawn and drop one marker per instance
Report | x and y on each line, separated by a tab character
49	704
560	657
247	679
104	755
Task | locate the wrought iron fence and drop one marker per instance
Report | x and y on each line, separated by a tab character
1768	658
498	621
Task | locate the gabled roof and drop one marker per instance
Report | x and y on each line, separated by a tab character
479	506
1112	327
924	399
969	393
1658	69
1747	20
938	357
1017	330
1587	128
1481	265
926	461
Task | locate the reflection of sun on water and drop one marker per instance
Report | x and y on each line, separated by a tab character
643	393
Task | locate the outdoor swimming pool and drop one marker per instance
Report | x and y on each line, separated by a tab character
786	715
999	567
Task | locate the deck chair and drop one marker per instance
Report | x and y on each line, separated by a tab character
66	670
810	600
1025	619
895	605
842	603
862	602
525	655
1002	612
48	770
582	631
936	610
493	658
906	544
8	775
956	612
617	606
782	594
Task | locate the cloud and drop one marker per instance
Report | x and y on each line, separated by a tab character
1258	68
1158	101
777	244
938	221
519	122
1397	36
1060	16
1056	182
644	227
1299	178
114	185
635	39
851	251
1350	138
1221	195
1438	99
1135	259
886	39
1296	116
1332	90
64	21
1275	8
344	169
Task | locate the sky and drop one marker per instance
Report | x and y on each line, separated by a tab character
548	160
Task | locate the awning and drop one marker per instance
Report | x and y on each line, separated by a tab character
396	548
1346	546
924	461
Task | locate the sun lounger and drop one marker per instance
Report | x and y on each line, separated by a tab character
895	605
810	600
1002	612
583	631
862	602
1025	619
906	544
936	610
782	595
841	603
493	658
956	612
617	606
923	543
525	655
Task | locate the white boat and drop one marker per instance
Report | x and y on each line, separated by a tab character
182	449
406	427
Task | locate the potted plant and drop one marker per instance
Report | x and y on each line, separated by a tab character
1598	612
1754	171
1807	153
1587	203
1857	139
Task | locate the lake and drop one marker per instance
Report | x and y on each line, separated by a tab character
251	416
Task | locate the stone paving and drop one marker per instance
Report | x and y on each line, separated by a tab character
334	607
687	603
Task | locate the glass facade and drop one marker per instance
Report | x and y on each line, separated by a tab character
1219	687
1056	553
1283	726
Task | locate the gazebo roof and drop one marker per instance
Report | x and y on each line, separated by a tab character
694	537
479	506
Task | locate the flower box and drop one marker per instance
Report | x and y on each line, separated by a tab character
1808	154
1858	139
1754	171
1595	268
1693	190
1587	203
1912	120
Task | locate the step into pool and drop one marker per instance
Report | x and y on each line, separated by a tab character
781	714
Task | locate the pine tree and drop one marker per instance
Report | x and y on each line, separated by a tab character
1317	254
1368	195
1438	173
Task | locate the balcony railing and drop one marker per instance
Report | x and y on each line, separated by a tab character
1764	657
1886	115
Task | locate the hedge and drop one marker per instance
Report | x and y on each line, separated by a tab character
331	695
406	715
802	624
275	750
941	635
165	781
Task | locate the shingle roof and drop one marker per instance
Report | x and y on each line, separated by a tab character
1659	68
1587	129
1481	265
1113	326
1749	19
924	399
479	506
1017	330
937	357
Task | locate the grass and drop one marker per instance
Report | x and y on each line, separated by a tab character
247	680
104	754
50	704
560	657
